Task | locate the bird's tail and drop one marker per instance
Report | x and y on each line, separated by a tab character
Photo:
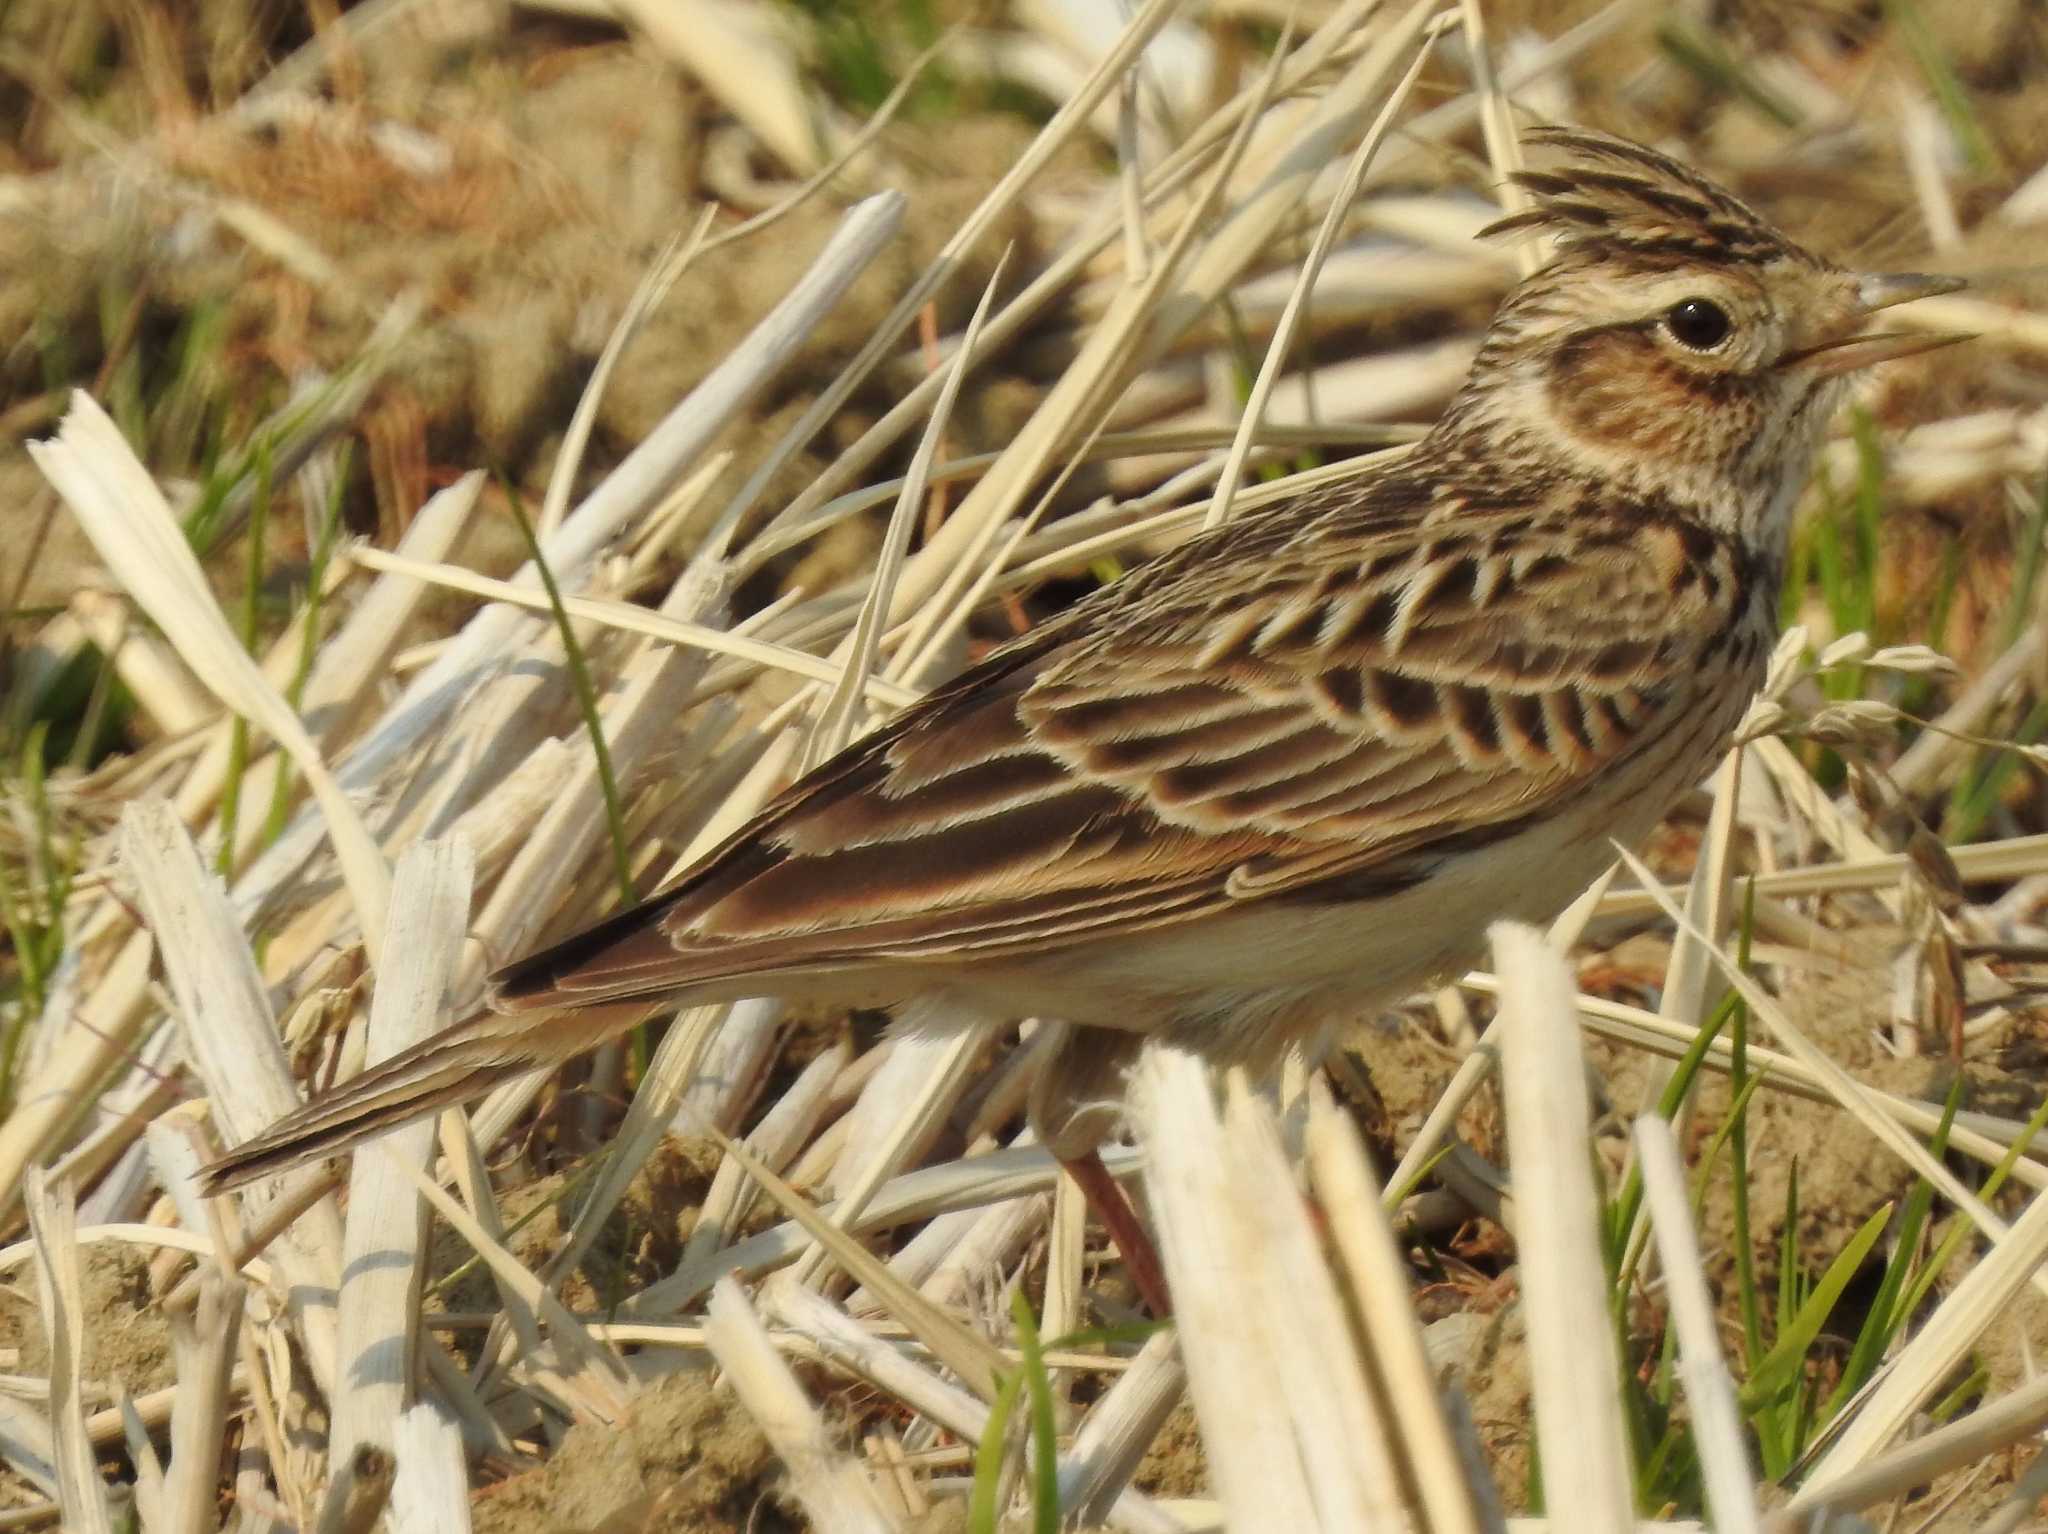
459	1063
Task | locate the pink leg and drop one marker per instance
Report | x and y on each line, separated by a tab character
1106	1198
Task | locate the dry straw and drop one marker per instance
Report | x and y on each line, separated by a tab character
454	814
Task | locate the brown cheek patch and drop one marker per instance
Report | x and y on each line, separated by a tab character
1617	389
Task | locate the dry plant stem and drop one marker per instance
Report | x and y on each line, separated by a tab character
2016	857
1282	342
1294	70
1406	1385
1066	1242
106	485
385	1232
1080	397
503	1107
231	1036
1572	1354
841	1340
1859	1100
142	1455
1130	179
954	1344
1439	1123
1497	126
639	483
357	1491
1119	1429
1142	321
674	1067
1294	1436
1683	997
431	1490
1262	209
783	1131
1980	1136
164	688
636	718
1920	762
990	1246
917	1261
205	1341
733	1069
1230	1377
52	1215
302	1194
496	1115
634	619
905	1103
2022	1503
737	59
893	1335
1113	1207
647	294
835	727
832	1488
200	791
1069	120
26	1446
1999	1425
584	1376
1984	1294
133	528
347	668
515	1329
1709	1389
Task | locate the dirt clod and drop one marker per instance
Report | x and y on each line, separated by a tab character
688	1461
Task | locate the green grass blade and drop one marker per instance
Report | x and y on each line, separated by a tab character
1972	1386
238	742
586	701
1788	1254
988	1458
309	635
1628	1201
1738	1154
1045	1453
1943	84
1700	53
1962	1230
1779	1369
1887	1316
1978	793
1737	1107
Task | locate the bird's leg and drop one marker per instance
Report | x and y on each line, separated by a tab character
1105	1196
1076	1097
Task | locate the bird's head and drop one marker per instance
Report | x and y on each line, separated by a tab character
1676	341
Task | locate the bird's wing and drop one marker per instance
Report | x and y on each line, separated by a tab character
1248	719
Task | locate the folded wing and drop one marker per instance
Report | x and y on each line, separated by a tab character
1309	719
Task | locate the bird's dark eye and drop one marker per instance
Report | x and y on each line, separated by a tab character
1698	323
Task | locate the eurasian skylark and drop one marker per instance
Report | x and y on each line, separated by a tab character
1294	767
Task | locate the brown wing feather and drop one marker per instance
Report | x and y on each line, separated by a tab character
1391	683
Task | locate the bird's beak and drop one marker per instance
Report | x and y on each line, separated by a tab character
1881	290
1874	291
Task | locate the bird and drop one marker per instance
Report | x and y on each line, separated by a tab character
1294	767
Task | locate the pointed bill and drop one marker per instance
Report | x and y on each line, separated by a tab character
1881	290
1875	291
1859	352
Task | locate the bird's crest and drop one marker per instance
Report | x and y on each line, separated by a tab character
1617	198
